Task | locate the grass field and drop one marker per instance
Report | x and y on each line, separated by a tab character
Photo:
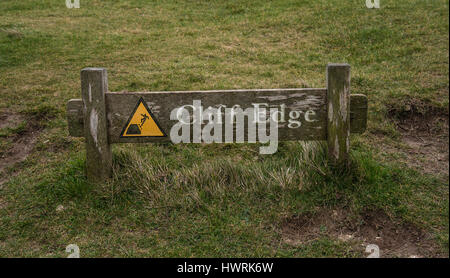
226	200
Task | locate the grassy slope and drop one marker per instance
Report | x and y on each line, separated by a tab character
214	200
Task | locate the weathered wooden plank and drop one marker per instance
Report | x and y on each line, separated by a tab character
120	105
94	85
358	115
338	108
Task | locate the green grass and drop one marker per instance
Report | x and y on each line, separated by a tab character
213	200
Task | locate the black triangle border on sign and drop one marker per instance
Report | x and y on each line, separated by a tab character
141	100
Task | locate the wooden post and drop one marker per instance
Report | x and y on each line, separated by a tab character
94	85
338	110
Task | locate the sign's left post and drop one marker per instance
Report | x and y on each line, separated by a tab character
94	85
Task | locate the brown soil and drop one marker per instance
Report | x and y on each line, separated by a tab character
9	119
424	131
393	237
2	203
23	143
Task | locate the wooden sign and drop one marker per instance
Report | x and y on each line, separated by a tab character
221	116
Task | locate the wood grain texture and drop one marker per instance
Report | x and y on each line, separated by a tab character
358	116
338	110
94	85
121	105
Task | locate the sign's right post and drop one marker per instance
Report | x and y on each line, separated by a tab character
338	111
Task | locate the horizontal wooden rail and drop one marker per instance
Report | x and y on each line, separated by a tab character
119	105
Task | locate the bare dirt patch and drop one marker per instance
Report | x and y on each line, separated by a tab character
424	130
21	143
10	120
394	238
3	203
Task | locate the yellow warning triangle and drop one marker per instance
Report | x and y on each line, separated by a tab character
142	123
